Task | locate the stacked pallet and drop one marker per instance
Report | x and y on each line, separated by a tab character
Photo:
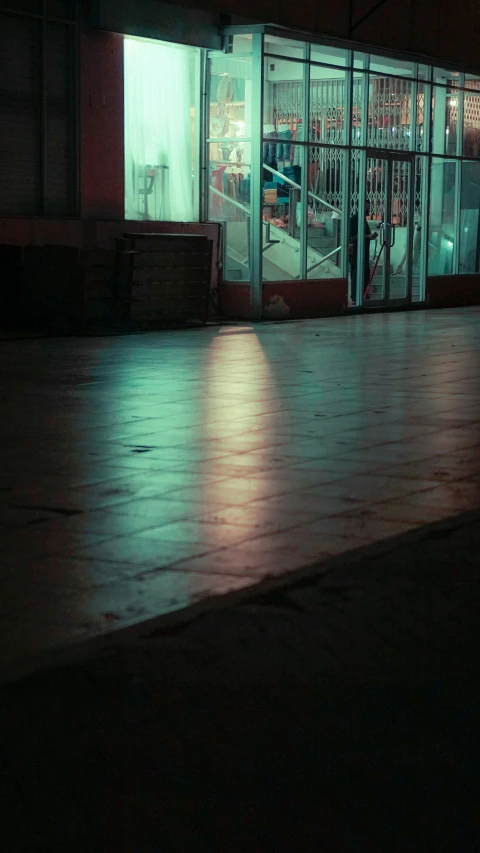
162	278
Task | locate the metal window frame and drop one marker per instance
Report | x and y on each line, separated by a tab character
425	192
199	151
304	176
362	190
349	147
347	171
256	183
458	176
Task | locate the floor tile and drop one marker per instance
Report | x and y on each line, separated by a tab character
238	490
356	527
262	516
417	515
120	603
140	472
209	535
141	551
370	488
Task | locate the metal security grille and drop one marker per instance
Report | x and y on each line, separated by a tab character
355	181
417	193
400	177
389	113
471	124
327	110
376	188
389	126
421	140
325	177
287	104
357	109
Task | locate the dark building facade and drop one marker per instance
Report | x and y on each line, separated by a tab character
330	151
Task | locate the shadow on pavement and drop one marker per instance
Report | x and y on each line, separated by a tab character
336	712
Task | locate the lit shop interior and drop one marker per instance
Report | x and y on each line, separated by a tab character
321	162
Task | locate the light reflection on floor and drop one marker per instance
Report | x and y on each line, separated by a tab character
143	473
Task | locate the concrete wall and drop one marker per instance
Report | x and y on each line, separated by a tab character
101	125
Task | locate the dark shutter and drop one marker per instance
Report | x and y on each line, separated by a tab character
20	126
59	149
37	114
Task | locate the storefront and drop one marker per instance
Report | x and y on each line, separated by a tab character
292	141
339	179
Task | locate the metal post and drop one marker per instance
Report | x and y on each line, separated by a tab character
425	218
363	186
410	227
304	176
389	219
346	169
204	134
458	178
199	153
256	226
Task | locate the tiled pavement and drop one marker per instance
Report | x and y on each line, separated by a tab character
140	474
334	711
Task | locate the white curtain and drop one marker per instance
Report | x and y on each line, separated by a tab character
158	130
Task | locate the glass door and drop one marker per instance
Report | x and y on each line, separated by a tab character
387	230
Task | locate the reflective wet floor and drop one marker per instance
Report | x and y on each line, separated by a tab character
140	474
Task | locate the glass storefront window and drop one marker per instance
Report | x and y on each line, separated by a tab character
325	210
242	44
358	111
328	93
284	47
230	104
229	203
423	104
366	208
389	113
161	167
442	227
329	55
445	119
282	228
408	127
397	67
229	158
472	82
469	260
360	60
446	78
424	72
283	149
283	111
471	125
